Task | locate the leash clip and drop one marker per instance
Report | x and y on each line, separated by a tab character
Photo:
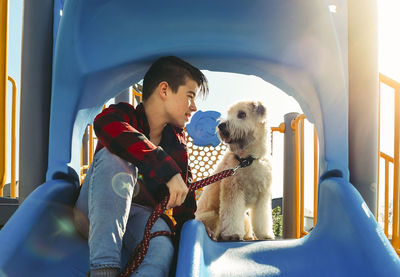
235	169
243	162
246	162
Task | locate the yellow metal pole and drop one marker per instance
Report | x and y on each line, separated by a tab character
13	137
295	127
315	176
379	149
280	129
302	233
3	89
136	93
388	159
297	182
396	197
386	225
91	144
81	171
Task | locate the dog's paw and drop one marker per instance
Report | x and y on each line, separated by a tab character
211	234
231	237
251	236
266	236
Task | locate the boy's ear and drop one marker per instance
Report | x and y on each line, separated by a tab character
163	89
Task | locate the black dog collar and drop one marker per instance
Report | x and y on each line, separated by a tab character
243	162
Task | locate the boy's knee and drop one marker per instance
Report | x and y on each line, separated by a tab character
168	246
162	253
114	159
158	259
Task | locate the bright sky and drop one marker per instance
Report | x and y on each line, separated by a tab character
229	88
389	38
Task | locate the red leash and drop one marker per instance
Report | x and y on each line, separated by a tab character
140	251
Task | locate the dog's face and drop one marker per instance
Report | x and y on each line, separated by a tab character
245	123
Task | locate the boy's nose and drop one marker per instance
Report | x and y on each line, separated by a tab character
193	107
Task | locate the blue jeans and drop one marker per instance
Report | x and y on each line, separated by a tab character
104	212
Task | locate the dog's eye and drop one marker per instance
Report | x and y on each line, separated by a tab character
241	114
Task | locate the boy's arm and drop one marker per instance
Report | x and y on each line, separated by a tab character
177	191
186	211
114	131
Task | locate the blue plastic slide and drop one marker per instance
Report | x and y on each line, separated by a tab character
346	241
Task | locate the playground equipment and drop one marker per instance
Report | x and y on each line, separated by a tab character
104	46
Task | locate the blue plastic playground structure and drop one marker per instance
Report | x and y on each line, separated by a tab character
104	46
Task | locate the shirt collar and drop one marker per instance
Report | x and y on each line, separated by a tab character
140	113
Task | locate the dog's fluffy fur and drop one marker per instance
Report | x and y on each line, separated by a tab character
239	207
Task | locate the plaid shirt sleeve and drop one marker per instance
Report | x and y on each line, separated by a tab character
119	129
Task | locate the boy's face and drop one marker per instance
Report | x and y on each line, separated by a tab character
180	105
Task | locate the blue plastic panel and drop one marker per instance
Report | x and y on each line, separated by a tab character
346	241
104	46
40	238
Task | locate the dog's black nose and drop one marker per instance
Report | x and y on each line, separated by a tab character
222	126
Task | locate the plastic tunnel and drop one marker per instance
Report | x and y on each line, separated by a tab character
104	46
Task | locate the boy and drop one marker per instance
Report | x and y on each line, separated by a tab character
140	157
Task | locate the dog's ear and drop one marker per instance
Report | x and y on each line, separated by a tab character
258	108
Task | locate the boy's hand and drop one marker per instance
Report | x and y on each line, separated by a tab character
177	191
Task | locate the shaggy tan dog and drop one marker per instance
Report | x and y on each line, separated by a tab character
239	207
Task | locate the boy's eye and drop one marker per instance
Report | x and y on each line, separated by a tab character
241	114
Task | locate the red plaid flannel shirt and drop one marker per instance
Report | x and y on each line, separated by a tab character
124	130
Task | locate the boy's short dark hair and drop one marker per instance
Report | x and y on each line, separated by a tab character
174	71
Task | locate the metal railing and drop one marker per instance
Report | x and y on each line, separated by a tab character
3	89
395	239
87	151
388	159
13	183
297	126
4	78
88	141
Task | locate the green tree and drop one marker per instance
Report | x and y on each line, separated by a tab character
277	221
